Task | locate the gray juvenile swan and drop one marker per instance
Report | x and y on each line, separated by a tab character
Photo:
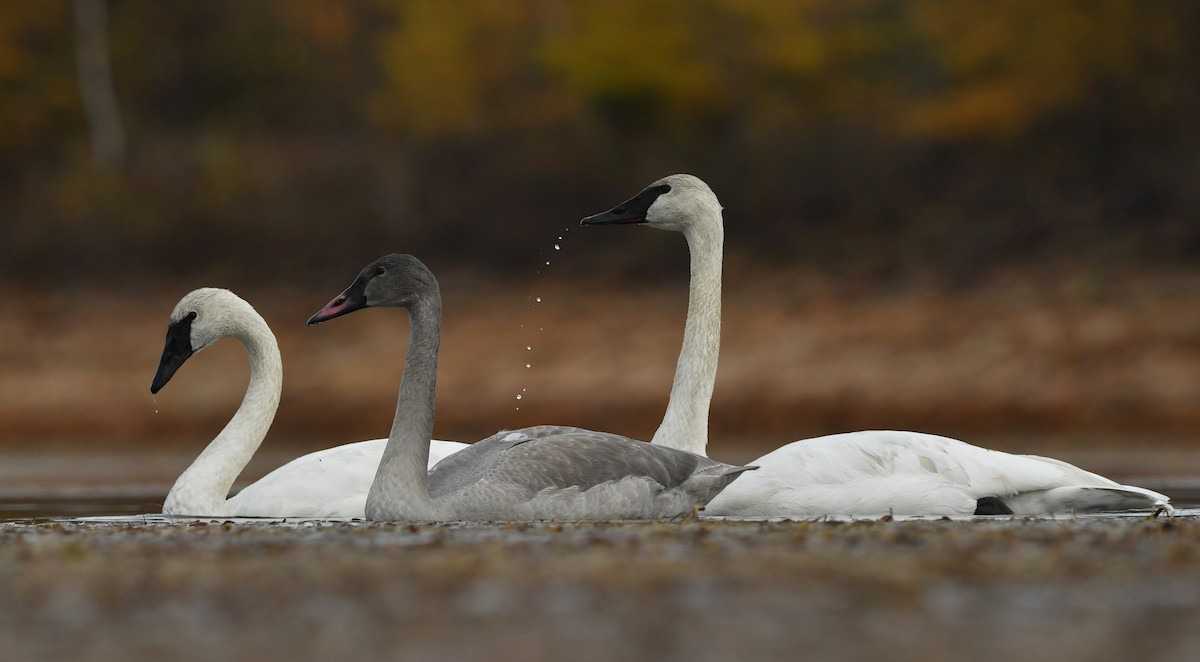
540	473
871	473
328	483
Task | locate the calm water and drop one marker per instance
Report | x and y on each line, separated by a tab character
76	506
1185	498
69	485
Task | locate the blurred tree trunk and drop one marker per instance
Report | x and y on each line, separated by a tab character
96	84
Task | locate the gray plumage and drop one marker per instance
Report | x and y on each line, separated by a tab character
538	473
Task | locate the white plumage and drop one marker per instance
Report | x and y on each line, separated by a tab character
859	473
328	483
882	472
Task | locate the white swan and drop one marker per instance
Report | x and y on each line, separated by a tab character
860	473
540	473
327	483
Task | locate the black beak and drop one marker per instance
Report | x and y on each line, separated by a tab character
633	210
176	350
352	299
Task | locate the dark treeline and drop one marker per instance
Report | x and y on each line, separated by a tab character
869	138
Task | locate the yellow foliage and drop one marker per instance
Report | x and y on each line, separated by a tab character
925	68
1005	65
448	66
643	48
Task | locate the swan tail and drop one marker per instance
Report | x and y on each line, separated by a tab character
1085	499
708	481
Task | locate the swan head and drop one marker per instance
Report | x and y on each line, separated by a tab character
396	280
199	319
673	203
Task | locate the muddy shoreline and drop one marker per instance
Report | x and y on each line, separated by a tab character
1087	588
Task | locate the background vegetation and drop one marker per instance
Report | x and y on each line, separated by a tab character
972	218
867	137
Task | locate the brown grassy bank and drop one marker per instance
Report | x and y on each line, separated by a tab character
1116	360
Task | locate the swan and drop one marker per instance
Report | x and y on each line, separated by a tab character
867	473
539	473
327	483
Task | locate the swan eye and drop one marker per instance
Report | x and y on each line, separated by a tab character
379	271
191	315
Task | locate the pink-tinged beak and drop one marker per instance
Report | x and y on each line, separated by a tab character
352	299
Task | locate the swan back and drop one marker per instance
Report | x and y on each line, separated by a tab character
879	472
551	472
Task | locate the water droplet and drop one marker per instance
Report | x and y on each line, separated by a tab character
529	348
557	247
528	365
518	396
538	299
523	390
547	264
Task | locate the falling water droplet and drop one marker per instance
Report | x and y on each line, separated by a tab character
547	264
155	399
528	365
538	299
518	396
529	348
557	247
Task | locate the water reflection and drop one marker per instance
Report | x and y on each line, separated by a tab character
1186	501
79	506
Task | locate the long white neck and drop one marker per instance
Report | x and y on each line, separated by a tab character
400	490
202	489
685	425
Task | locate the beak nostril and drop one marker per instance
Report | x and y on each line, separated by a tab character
339	301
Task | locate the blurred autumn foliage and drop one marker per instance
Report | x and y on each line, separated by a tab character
964	217
866	137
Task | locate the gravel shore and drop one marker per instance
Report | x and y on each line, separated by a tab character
153	588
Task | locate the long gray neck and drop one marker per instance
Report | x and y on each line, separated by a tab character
685	424
400	490
203	487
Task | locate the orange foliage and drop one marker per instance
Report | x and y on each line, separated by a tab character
253	115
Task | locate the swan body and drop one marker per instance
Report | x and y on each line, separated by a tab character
328	483
881	472
538	473
854	474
